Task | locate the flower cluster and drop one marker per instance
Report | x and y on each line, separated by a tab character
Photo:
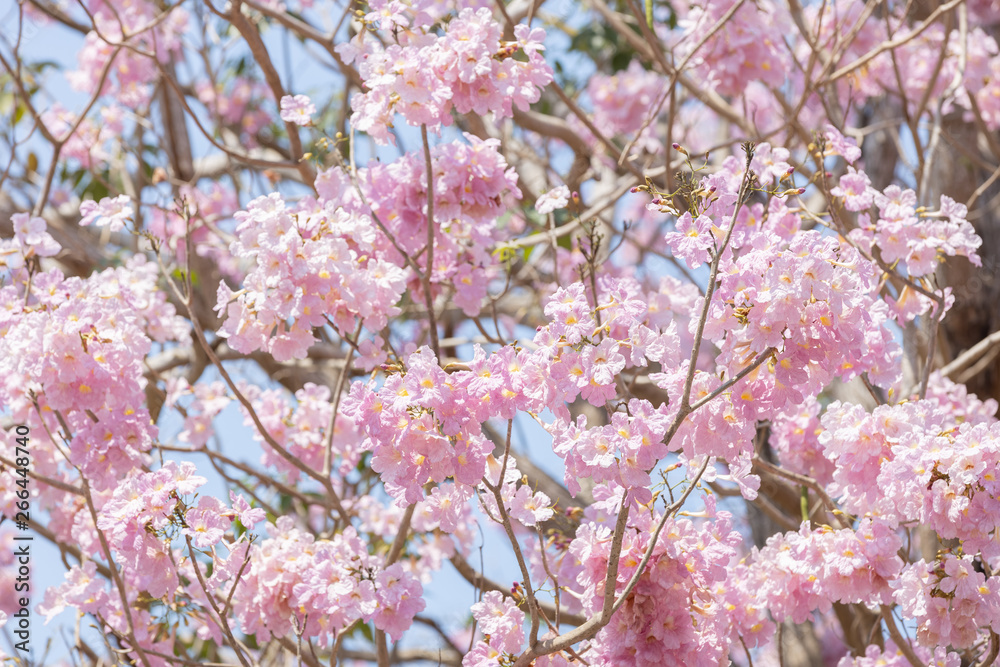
424	425
580	357
746	48
139	520
445	518
816	304
913	461
209	401
136	518
473	186
796	574
310	266
31	240
902	233
553	200
77	346
82	589
93	142
110	212
955	400
520	502
621	452
682	609
623	102
791	311
302	431
135	289
111	444
892	656
240	104
835	143
794	435
502	623
322	587
810	298
298	109
151	36
949	599
468	69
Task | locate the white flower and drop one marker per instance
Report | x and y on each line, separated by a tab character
553	200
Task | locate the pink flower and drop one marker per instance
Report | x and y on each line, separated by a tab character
248	516
31	235
501	620
399	597
447	505
467	69
553	200
82	589
207	523
693	239
838	144
747	48
856	190
297	110
622	103
570	313
482	655
531	40
770	164
389	14
603	362
921	240
530	508
109	212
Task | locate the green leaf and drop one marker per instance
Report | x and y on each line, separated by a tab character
620	61
97	190
604	45
6	102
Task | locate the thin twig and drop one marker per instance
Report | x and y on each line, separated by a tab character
895	43
429	262
807	481
223	622
901	642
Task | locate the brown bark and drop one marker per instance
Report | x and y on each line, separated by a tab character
976	313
